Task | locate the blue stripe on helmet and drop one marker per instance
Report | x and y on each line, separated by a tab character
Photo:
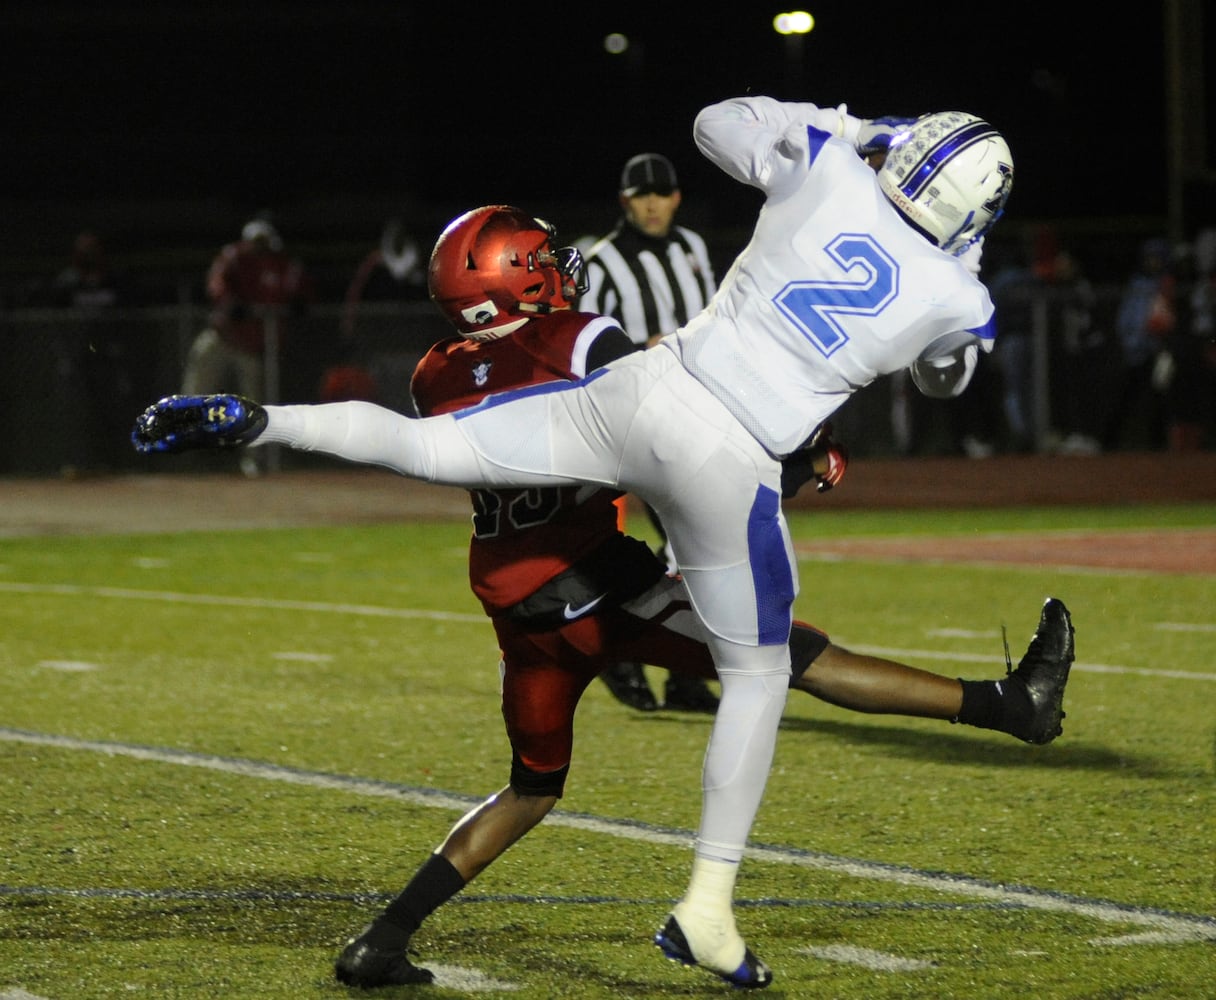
945	150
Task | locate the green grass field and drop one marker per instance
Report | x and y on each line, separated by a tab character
222	752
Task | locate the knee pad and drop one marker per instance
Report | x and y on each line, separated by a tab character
526	781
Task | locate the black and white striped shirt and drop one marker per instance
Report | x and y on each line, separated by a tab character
650	285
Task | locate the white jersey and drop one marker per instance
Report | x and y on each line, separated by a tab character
834	289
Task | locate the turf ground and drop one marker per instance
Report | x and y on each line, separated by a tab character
221	751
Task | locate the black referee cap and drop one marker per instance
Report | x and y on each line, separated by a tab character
648	173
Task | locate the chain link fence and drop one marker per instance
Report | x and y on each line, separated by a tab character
76	379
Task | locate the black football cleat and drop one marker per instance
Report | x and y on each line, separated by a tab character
752	974
628	684
181	423
1043	674
688	694
363	965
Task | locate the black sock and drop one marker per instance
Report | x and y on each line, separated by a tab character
433	884
993	704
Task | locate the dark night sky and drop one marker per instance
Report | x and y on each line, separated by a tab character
265	102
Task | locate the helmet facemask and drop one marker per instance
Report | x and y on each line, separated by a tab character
568	264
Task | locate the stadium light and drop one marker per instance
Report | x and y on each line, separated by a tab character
795	22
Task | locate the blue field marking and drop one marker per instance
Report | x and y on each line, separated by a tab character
475	899
1162	925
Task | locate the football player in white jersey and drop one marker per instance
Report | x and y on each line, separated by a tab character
849	276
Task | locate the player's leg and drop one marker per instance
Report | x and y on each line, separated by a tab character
872	684
660	628
724	520
435	449
701	928
539	700
554	434
1027	703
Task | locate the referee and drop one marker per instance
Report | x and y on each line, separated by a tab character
652	276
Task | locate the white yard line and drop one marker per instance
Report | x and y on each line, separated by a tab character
379	611
1161	925
231	601
894	652
867	958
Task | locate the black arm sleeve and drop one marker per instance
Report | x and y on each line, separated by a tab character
613	343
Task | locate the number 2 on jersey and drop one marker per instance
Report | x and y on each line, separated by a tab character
869	284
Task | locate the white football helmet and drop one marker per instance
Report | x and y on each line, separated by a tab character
949	174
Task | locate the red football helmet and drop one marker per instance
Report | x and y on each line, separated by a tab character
493	269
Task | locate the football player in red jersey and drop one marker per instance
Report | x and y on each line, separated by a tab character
568	594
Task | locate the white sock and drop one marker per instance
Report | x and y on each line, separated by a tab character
712	884
706	918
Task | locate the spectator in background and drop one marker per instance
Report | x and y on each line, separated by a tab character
1077	348
87	282
390	271
1186	369
94	358
251	284
1016	286
1146	317
652	277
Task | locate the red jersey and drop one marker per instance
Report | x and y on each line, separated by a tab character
243	276
508	559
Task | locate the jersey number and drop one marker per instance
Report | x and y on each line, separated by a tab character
869	284
526	509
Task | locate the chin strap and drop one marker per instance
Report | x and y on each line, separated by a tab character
494	332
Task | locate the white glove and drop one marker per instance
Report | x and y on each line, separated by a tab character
875	134
971	256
